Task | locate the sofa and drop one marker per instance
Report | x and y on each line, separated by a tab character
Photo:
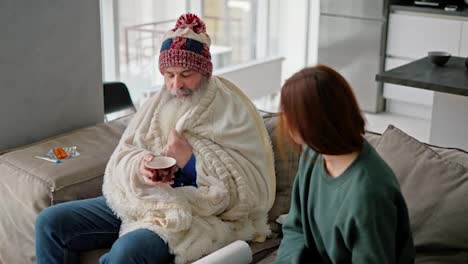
434	181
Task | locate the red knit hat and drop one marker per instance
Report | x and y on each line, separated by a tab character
187	45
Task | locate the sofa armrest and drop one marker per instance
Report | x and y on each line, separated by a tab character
30	184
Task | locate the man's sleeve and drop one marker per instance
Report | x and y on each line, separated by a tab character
190	170
187	175
293	248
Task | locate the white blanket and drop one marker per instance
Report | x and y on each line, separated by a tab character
235	174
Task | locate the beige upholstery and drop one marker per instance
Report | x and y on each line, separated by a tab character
435	190
29	185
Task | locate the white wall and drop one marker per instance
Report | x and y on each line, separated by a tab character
292	26
109	40
256	79
293	30
313	32
50	68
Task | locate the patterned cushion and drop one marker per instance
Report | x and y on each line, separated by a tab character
285	167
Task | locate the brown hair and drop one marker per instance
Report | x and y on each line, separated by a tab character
319	105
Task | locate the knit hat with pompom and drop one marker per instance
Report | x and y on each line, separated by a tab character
187	45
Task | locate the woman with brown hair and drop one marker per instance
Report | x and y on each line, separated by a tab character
346	204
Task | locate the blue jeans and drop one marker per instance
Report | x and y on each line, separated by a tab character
65	230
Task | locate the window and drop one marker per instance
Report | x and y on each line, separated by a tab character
231	24
131	53
141	26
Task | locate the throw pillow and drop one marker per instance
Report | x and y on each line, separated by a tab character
285	168
435	191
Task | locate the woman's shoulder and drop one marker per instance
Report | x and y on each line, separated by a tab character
375	179
373	166
376	185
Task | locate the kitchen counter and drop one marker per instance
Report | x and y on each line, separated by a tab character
451	78
461	12
449	122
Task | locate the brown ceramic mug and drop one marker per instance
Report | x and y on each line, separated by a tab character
163	169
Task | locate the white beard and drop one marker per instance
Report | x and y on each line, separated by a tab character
174	108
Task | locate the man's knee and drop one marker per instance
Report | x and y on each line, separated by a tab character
138	246
51	218
46	219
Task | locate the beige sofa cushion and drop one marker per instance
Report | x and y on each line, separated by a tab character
372	138
30	184
435	189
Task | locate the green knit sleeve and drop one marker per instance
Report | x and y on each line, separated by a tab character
295	246
375	228
292	245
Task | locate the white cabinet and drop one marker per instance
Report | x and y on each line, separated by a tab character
464	40
410	36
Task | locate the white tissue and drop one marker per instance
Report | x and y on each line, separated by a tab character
281	219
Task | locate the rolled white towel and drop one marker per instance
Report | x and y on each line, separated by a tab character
238	252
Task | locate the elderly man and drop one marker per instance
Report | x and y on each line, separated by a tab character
222	190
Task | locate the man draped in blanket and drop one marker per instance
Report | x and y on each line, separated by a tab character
221	192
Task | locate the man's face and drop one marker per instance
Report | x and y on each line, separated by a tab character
182	82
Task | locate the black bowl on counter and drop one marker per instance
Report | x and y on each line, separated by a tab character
439	58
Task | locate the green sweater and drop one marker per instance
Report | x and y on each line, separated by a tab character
358	217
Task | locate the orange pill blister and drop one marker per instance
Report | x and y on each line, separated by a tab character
60	153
